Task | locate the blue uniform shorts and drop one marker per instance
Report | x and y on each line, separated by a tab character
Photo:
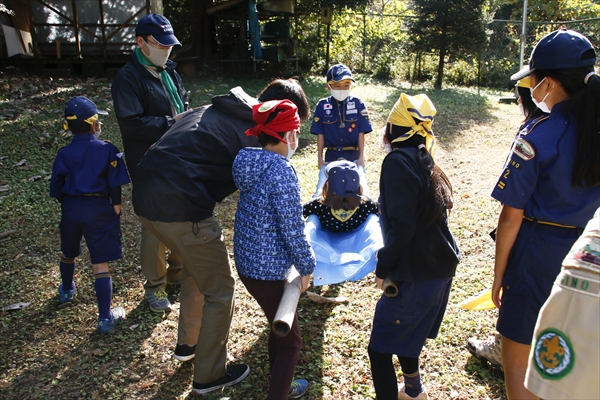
93	218
403	323
533	264
334	155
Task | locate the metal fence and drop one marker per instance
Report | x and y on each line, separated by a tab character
377	44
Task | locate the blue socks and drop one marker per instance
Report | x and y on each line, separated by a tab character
412	384
67	272
103	294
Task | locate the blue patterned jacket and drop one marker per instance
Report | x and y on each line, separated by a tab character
269	230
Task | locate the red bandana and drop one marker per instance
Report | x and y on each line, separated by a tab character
286	120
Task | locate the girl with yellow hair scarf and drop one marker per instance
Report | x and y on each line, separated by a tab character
419	254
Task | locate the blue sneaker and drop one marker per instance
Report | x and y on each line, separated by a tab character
298	389
65	296
116	315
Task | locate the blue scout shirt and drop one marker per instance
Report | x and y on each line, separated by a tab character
537	174
340	122
87	166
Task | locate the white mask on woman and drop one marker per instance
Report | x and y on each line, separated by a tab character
157	57
542	104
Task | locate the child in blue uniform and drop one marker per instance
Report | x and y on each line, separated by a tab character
419	254
340	122
86	178
269	235
550	188
490	350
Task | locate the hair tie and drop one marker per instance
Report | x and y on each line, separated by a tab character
588	76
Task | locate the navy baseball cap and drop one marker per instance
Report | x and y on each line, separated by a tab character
561	49
342	177
338	73
81	108
159	27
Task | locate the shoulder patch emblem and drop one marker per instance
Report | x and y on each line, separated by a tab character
523	149
113	163
553	354
364	113
316	119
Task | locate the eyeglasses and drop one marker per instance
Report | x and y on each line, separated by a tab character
155	44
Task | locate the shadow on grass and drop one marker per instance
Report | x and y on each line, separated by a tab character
457	110
56	353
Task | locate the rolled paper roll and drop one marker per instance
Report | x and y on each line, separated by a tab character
284	317
390	289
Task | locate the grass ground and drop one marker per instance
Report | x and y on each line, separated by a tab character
47	352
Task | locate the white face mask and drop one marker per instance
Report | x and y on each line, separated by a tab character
97	128
290	151
542	104
157	57
340	95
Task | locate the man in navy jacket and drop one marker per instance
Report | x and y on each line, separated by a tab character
149	98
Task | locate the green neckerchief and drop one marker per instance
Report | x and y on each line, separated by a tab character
166	80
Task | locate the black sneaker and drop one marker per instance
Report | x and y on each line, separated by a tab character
183	352
235	374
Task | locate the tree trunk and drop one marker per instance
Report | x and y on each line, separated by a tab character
440	71
201	31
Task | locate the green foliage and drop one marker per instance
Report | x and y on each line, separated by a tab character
448	27
555	10
370	41
182	19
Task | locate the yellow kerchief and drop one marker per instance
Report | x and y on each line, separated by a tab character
421	108
343	215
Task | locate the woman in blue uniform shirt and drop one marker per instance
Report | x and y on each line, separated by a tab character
549	190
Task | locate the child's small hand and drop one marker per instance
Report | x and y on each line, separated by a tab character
117	209
322	163
379	283
361	162
305	283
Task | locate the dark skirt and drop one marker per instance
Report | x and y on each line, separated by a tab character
403	323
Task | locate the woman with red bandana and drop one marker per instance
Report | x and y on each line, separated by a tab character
269	232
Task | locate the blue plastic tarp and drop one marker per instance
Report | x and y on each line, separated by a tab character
344	256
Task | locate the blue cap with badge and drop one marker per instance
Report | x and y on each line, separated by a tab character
159	27
343	177
338	73
81	108
561	49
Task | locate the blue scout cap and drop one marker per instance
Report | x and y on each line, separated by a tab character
81	108
338	73
561	49
343	177
159	27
